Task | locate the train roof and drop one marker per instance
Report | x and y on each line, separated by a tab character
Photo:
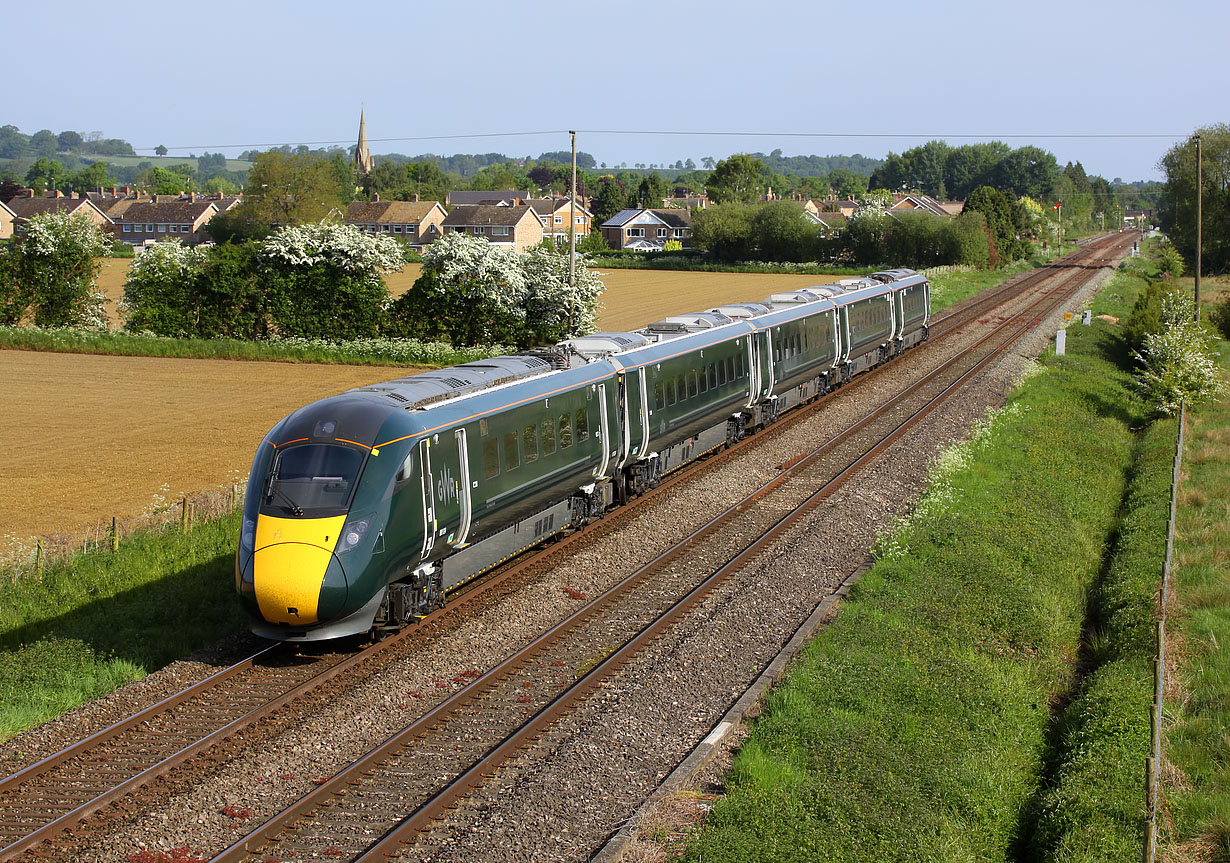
425	388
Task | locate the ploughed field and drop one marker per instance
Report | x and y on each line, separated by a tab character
90	437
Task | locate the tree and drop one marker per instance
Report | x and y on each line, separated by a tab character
160	150
44	143
286	189
44	173
707	162
725	231
1003	221
1027	171
51	269
555	311
783	233
1178	363
93	176
324	280
739	179
651	191
611	198
70	141
847	184
1177	207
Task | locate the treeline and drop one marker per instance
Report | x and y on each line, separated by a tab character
45	144
73	174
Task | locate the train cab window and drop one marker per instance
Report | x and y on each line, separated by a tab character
548	437
670	391
659	396
491	457
529	443
692	384
582	425
406	471
511	458
565	431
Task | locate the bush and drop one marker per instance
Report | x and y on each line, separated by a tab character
122	250
1220	317
1146	316
49	271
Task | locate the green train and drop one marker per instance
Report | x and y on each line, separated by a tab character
366	509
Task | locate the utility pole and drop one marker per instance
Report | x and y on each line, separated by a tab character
572	219
1199	221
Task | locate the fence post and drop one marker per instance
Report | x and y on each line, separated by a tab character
38	558
115	535
183	515
1150	813
234	495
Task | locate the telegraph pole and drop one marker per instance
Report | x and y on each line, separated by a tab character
1199	221
572	220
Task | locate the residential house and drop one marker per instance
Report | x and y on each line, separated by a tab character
687	202
27	207
555	213
830	223
517	226
924	203
415	222
648	230
151	221
8	220
832	205
490	196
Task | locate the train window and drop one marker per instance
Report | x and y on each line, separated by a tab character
712	376
742	366
565	431
529	443
548	436
721	372
730	369
798	344
491	458
582	425
510	451
704	380
670	391
777	353
659	396
406	470
681	385
692	383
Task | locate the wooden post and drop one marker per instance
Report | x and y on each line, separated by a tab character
234	496
115	535
183	515
38	558
1150	813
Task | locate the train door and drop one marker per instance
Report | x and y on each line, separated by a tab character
441	477
634	416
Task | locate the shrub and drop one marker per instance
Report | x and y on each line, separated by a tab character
1179	361
50	271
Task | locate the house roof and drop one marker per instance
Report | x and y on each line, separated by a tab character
643	216
919	202
675	218
488	214
487	196
548	206
25	208
398	212
167	211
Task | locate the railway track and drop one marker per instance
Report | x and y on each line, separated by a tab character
63	791
383	801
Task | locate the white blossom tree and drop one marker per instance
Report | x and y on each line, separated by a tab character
51	270
554	310
1178	361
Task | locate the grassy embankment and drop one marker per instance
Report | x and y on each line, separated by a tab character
983	694
1197	715
58	636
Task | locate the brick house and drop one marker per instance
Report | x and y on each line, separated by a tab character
517	226
415	222
26	207
648	230
183	220
554	213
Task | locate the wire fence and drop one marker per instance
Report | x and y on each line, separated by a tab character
26	558
1153	762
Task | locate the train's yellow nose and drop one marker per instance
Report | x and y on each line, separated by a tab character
289	565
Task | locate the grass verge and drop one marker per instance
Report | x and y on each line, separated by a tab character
1197	715
95	622
408	352
922	724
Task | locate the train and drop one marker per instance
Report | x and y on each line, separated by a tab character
364	511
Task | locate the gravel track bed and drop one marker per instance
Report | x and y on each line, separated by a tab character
561	802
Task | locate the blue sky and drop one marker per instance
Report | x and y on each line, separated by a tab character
471	76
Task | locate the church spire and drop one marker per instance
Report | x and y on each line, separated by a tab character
362	156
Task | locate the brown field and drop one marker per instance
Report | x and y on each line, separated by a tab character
89	437
633	298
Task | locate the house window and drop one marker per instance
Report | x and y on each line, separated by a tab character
636	232
477	230
162	229
386	229
412	229
499	232
397	229
149	229
127	229
580	220
185	229
559	220
662	232
679	232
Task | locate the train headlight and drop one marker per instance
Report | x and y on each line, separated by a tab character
353	533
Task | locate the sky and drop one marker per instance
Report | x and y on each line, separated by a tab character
1087	80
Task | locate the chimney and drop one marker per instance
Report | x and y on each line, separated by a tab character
415	197
114	192
376	198
192	197
27	193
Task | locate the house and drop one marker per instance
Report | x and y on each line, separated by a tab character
27	207
517	226
687	202
924	203
415	222
554	213
830	223
150	221
647	230
8	220
505	197
832	205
